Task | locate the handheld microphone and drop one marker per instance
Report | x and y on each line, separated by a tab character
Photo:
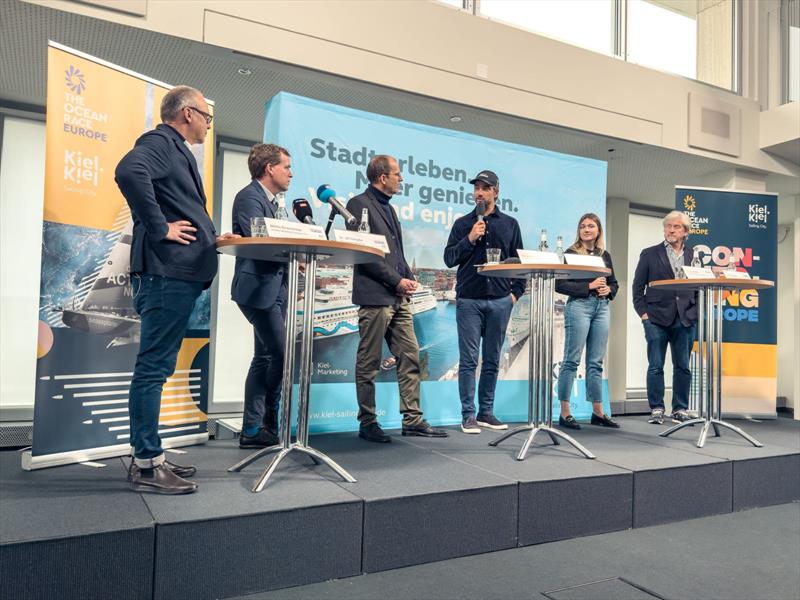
302	211
480	209
327	195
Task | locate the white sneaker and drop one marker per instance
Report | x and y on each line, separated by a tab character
470	425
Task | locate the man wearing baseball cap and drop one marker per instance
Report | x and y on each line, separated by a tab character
483	304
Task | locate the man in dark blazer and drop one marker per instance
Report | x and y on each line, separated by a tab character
383	290
173	259
668	317
259	289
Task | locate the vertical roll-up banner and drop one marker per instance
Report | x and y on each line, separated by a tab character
88	329
744	224
543	190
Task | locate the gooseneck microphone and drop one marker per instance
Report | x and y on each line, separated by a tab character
327	195
302	211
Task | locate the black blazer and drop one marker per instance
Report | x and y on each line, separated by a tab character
256	283
161	184
374	284
660	305
579	288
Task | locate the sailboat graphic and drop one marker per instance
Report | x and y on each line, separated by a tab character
107	309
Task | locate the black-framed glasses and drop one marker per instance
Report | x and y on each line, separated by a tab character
205	115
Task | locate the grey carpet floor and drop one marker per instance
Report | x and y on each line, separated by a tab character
749	555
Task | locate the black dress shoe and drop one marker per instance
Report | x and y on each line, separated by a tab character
569	422
179	470
160	480
604	421
423	429
372	432
261	439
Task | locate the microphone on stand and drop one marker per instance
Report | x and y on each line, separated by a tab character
327	195
302	211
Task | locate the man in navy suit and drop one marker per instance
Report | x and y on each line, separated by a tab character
383	292
173	259
259	289
668	317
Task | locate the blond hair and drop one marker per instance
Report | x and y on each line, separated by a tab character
579	248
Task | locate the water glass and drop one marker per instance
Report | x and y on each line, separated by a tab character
492	256
258	227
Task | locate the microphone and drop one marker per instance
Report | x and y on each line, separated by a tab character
480	209
302	211
326	194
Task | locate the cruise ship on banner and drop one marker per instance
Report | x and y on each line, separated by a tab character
335	314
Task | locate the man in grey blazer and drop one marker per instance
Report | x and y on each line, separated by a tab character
382	290
259	289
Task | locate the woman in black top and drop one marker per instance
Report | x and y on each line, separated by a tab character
586	322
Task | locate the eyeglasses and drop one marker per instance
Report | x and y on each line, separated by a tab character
205	115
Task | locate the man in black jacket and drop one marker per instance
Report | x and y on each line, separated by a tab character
173	259
668	317
383	290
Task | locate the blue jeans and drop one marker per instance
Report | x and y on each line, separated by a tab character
475	319
262	388
680	339
164	305
586	323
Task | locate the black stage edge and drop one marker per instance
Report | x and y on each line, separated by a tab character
78	532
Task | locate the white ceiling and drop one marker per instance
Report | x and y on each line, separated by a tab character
644	175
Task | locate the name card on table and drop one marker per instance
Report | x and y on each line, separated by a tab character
538	257
278	228
373	240
585	260
698	273
734	275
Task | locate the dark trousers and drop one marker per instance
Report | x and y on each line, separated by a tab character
475	319
164	305
395	324
679	337
262	388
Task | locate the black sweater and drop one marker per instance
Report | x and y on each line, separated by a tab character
579	288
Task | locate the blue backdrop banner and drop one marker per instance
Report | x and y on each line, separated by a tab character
541	189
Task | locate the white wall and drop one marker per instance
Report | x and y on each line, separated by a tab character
788	301
21	208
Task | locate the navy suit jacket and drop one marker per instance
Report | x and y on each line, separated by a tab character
256	283
374	284
161	183
661	305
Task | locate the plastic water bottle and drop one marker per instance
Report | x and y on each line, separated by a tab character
281	213
560	248
696	258
543	241
363	226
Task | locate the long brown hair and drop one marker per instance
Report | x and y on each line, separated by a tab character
577	247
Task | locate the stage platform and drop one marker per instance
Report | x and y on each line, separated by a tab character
78	532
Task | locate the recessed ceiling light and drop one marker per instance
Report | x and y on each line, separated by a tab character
455	119
244	71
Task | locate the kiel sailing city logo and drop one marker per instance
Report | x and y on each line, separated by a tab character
76	82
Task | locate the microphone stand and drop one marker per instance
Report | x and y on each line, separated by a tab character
331	217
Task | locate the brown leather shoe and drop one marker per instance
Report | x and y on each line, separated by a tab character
160	480
179	470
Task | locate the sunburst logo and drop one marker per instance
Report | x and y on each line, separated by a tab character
76	82
689	203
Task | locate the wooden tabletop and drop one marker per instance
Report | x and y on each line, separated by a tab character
278	250
523	270
729	284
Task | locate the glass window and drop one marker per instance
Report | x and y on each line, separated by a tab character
585	23
688	38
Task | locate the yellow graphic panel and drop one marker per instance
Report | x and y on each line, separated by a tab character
182	390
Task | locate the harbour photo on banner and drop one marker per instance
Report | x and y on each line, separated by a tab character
88	329
331	144
745	225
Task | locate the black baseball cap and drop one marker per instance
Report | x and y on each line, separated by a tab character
487	177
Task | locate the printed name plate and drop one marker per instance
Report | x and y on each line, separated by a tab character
698	273
278	228
538	257
584	260
373	240
735	275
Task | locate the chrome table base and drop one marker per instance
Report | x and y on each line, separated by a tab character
286	446
540	370
709	369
